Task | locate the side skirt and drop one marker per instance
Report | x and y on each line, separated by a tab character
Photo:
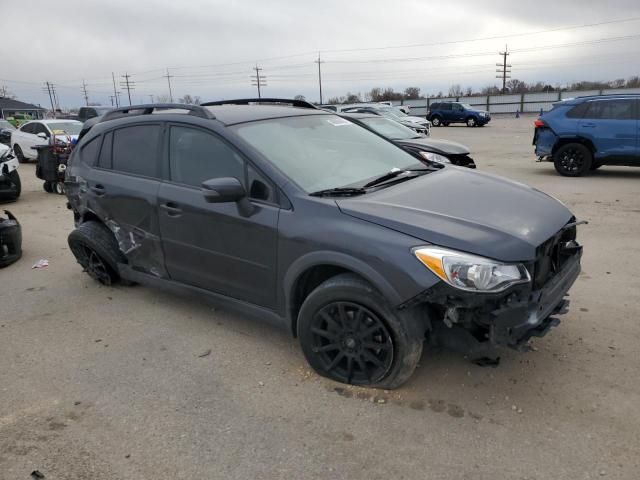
222	301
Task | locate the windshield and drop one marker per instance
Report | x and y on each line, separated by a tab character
5	124
323	151
389	128
399	112
466	106
65	128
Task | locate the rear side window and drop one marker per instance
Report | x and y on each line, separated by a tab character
435	106
620	109
28	128
89	152
445	106
104	160
136	150
578	111
196	156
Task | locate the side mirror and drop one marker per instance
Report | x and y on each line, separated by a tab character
42	135
226	190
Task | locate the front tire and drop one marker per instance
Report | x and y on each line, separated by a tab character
19	155
97	251
350	334
572	160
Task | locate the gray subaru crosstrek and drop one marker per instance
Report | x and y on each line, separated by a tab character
296	215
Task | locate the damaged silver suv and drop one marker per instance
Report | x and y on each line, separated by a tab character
302	217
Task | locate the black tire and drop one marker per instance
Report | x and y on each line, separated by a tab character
436	121
47	186
349	333
14	178
572	160
19	155
96	250
58	187
595	166
471	122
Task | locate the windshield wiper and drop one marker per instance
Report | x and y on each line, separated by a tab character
340	191
396	172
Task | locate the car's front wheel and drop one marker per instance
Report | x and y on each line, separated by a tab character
16	184
572	160
19	155
349	333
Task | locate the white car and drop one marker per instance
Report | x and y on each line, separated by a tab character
43	132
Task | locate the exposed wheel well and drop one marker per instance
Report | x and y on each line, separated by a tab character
564	141
306	283
91	217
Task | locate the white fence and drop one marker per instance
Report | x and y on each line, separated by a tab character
523	103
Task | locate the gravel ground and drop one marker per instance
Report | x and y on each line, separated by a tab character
135	383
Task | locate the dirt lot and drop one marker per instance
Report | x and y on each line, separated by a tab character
135	383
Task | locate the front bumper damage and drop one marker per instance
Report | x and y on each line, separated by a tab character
478	324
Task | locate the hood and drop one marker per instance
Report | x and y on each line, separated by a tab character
3	150
436	146
465	210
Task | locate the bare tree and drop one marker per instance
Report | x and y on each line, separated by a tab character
455	90
412	93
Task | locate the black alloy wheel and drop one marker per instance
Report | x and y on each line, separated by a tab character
352	343
93	264
572	160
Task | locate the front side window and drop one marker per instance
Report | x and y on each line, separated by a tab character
196	156
136	150
323	151
620	109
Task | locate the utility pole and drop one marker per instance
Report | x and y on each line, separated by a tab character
111	97
505	70
85	94
151	98
3	91
115	93
53	109
258	80
319	62
169	77
128	84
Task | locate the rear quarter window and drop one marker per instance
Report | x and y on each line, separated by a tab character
89	152
578	111
136	150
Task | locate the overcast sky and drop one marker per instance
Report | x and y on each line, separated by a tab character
210	46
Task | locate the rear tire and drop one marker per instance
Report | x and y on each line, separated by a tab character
47	187
58	187
97	251
436	122
572	160
19	155
471	122
350	334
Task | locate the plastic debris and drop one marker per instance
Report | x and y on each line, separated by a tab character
43	262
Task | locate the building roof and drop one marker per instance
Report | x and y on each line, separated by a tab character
7	103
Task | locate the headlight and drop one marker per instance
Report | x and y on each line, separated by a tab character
482	114
434	157
469	272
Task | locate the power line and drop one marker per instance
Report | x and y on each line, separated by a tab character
259	80
169	83
84	92
506	69
128	84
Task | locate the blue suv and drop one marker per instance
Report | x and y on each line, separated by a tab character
444	113
584	133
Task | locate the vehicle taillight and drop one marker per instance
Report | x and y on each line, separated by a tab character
539	123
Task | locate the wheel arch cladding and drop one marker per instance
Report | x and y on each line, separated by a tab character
561	141
309	271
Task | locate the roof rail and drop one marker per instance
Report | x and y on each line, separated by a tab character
271	101
148	109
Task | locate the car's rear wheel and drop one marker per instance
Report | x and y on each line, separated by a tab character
436	122
350	334
58	187
97	251
47	186
19	155
471	122
572	160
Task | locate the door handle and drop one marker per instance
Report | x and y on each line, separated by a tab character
99	190
589	125
171	208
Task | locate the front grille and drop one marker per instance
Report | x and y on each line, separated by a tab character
553	254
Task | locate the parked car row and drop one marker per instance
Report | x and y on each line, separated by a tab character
362	250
